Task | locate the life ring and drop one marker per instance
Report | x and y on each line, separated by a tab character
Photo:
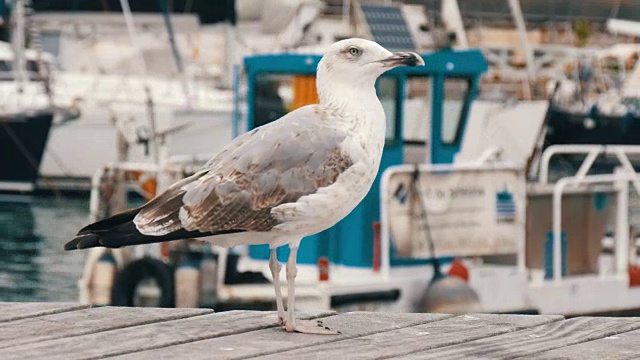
127	280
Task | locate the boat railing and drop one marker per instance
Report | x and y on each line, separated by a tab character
623	175
620	179
621	152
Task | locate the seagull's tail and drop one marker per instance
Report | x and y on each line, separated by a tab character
119	230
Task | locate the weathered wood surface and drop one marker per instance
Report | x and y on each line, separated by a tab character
15	311
418	339
274	340
615	347
535	340
85	321
71	331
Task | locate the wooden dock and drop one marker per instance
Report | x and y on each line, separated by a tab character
72	331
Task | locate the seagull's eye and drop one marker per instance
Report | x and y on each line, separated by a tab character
354	51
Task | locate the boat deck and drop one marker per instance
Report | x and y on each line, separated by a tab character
72	331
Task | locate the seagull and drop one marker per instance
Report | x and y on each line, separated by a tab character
278	183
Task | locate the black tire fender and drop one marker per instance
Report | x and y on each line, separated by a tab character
128	279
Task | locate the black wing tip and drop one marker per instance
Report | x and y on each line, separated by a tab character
110	222
128	235
83	242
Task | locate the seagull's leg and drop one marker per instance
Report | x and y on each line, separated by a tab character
291	324
292	271
275	267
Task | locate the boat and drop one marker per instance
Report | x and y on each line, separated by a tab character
27	111
23	138
466	221
379	257
595	102
454	222
128	87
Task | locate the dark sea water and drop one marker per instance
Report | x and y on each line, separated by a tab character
33	264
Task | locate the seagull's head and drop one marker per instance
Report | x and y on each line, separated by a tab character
354	62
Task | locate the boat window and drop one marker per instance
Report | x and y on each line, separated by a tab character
5	70
388	95
455	93
417	110
269	102
277	94
32	66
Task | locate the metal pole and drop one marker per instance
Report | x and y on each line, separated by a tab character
516	12
18	40
451	14
346	12
557	228
622	225
235	121
229	54
385	241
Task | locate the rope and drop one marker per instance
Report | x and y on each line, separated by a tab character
415	177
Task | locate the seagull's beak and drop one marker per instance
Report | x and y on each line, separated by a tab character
402	59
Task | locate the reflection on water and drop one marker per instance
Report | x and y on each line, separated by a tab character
33	264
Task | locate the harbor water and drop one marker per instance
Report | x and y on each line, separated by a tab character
33	264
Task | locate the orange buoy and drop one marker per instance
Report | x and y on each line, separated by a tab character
458	269
323	267
376	247
634	275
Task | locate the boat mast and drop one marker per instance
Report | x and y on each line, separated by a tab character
133	35
518	18
18	42
176	53
450	13
229	45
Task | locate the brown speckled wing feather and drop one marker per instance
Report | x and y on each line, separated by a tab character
269	166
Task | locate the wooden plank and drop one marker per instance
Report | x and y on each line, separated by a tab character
408	340
614	347
532	341
10	311
143	337
86	321
276	340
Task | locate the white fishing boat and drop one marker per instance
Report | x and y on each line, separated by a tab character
27	107
127	88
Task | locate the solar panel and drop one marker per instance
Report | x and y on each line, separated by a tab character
388	27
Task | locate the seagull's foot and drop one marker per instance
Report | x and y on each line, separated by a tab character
311	327
280	321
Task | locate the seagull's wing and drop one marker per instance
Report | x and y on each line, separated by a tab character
269	166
